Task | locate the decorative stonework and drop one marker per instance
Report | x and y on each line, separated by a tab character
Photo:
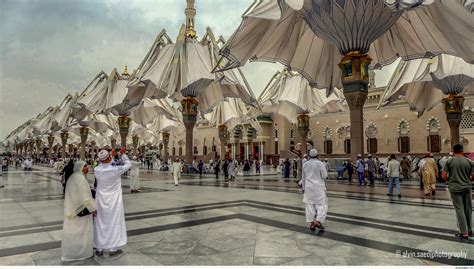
327	134
433	125
371	130
463	141
343	131
403	127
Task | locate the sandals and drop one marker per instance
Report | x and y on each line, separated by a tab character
315	225
115	253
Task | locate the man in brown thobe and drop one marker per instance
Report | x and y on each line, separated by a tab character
405	165
429	171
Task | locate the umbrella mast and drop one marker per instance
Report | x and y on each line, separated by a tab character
189	103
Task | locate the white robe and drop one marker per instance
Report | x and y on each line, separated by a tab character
109	227
135	176
313	175
77	239
231	169
176	169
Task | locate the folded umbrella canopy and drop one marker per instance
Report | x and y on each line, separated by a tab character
184	68
231	112
149	109
107	96
289	94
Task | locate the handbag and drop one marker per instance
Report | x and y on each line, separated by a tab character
84	212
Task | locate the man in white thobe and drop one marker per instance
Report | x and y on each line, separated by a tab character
316	202
109	226
176	170
135	175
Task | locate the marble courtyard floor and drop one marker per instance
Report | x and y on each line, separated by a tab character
257	220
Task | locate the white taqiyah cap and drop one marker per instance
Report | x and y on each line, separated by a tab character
313	153
359	155
103	155
451	154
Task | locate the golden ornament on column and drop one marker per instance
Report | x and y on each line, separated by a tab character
453	106
303	129
124	125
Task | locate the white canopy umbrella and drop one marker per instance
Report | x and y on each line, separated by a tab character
98	96
291	33
424	83
184	69
231	112
332	43
107	96
289	94
149	109
183	72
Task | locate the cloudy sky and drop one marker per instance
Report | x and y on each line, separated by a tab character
53	47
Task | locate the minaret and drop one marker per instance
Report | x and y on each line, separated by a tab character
125	72
190	12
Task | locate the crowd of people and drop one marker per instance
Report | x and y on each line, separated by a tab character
94	215
456	170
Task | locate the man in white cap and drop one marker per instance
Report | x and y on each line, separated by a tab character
109	226
316	202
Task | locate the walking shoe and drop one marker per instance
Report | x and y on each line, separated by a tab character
399	195
319	225
389	194
433	192
428	194
462	236
99	253
115	253
312	226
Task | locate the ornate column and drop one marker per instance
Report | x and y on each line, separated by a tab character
50	145
237	137
303	129
453	106
124	125
190	105
38	147
113	143
64	136
31	147
251	135
355	79
84	131
224	138
135	145
166	140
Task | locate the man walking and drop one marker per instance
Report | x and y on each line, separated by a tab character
430	173
316	202
393	173
360	166
176	170
405	165
109	226
372	169
459	172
